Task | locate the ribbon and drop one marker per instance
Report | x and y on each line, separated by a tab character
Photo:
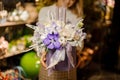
58	56
69	54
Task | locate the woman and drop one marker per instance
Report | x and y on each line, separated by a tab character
74	13
74	10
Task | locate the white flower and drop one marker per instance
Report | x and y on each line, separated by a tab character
62	40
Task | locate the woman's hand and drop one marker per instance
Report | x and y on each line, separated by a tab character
43	59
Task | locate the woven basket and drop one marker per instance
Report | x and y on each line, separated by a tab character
57	75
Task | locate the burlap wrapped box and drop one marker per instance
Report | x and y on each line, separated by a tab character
62	71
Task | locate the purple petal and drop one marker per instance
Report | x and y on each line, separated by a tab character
46	41
50	36
56	36
51	46
57	45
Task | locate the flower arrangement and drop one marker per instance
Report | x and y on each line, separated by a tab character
58	35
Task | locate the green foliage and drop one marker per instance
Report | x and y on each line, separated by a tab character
24	42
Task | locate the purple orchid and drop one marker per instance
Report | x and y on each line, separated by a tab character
51	41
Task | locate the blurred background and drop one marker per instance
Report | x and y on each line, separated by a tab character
100	57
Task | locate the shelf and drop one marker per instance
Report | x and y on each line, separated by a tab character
6	24
13	54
